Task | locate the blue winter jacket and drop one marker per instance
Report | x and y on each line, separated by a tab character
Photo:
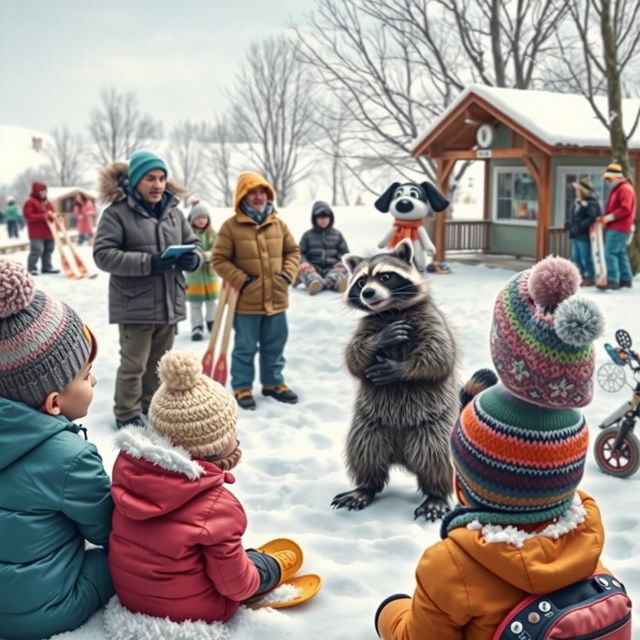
54	495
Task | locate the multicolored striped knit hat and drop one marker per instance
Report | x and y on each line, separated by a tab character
613	171
519	448
43	342
541	338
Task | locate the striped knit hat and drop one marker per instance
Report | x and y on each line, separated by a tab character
43	342
519	448
541	338
613	171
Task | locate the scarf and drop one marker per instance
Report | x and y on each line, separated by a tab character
229	462
404	229
257	216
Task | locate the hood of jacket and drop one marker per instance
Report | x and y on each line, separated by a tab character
23	428
247	181
114	178
171	476
321	208
565	551
36	188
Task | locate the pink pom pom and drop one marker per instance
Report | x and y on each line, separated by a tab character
553	280
16	288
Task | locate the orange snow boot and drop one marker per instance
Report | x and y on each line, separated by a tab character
286	553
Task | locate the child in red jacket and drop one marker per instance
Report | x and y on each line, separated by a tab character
176	546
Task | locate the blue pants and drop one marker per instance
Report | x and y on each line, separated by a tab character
581	256
615	253
253	333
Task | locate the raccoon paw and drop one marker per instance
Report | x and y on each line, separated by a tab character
432	509
384	371
357	499
394	333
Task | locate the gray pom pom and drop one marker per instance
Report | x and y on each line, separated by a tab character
578	322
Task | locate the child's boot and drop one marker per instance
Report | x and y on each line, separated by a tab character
286	553
316	284
196	333
209	325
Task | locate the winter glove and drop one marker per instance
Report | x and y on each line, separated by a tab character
188	261
384	371
394	333
247	282
158	264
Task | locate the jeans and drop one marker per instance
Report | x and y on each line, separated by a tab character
615	253
12	228
40	248
253	333
581	256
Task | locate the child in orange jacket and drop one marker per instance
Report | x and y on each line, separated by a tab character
518	450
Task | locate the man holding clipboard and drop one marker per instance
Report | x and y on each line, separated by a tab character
145	243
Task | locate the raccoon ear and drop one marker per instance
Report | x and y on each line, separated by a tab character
404	251
351	261
383	202
437	201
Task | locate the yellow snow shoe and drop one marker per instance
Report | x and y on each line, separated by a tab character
291	593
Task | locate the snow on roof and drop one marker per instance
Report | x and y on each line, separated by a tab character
555	118
17	152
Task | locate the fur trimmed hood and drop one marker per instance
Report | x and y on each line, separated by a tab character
112	179
160	451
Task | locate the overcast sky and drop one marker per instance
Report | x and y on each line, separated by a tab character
56	55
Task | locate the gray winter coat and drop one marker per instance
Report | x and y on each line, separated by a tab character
322	248
126	237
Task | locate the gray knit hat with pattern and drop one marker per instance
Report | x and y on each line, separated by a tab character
43	342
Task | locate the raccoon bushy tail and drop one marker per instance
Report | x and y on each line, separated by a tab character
482	379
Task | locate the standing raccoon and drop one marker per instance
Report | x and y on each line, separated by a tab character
405	357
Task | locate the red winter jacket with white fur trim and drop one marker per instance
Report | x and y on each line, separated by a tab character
176	545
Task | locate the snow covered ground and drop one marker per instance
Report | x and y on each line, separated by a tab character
292	464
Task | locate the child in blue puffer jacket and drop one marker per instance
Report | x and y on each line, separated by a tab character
54	492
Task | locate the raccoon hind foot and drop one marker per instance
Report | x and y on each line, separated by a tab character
432	509
356	499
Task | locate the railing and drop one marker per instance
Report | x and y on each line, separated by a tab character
466	235
559	243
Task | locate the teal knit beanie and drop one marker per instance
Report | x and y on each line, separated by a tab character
143	161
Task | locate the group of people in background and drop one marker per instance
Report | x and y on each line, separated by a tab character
618	219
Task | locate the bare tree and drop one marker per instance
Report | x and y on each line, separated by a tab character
271	109
596	61
187	151
219	160
21	186
394	65
117	127
67	158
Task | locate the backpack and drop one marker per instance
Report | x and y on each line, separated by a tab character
596	608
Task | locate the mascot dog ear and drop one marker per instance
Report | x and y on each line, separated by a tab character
383	202
437	201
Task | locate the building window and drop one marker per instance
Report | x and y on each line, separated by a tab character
515	196
566	196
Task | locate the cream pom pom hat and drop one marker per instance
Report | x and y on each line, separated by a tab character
190	409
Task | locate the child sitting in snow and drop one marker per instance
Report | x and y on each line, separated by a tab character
519	451
54	492
203	284
176	546
321	251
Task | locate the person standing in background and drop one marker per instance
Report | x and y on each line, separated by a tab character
619	215
146	291
37	210
256	254
12	217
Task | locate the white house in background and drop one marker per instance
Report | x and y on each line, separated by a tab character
21	149
534	145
